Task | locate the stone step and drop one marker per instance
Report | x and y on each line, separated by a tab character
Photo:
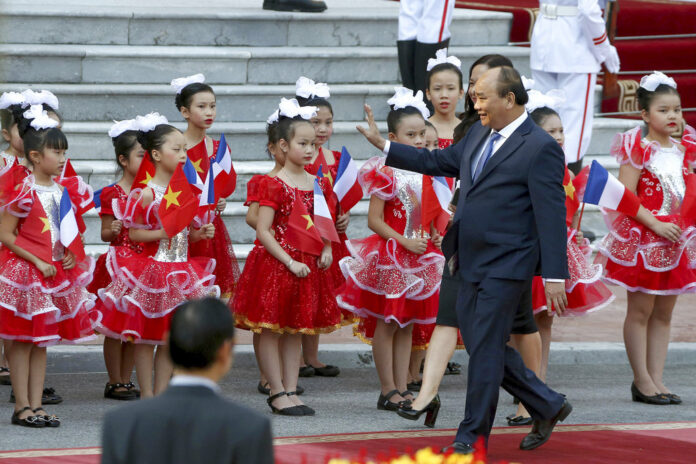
89	140
117	64
227	26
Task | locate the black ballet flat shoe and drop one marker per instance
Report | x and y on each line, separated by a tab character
111	392
50	420
458	448
639	397
542	428
384	404
289	411
305	409
34	422
431	410
307	371
264	389
326	371
453	368
415	386
5	376
517	421
50	396
303	6
673	399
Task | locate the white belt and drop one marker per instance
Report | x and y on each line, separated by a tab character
554	11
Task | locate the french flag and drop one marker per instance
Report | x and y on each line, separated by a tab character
603	189
435	200
97	197
322	215
223	171
69	232
346	185
192	175
207	201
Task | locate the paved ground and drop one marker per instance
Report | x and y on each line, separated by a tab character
599	394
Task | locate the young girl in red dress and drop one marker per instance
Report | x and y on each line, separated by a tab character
298	297
43	284
393	277
652	255
146	287
196	102
309	93
118	355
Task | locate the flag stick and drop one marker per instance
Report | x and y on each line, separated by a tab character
581	212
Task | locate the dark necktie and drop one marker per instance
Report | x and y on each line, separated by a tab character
486	155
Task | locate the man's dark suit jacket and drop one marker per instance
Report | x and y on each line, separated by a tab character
186	425
510	222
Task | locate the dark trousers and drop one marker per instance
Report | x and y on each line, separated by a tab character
486	312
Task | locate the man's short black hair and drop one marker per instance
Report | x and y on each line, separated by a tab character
509	80
198	330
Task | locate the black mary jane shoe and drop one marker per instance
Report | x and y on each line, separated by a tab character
384	404
50	396
289	411
265	389
111	392
673	399
415	386
50	420
307	371
305	409
518	421
431	410
458	448
131	386
5	376
32	421
639	397
326	371
453	368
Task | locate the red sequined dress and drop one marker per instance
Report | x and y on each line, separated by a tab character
269	296
220	246
383	279
633	256
113	202
145	288
33	308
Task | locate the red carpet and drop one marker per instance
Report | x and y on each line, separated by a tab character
666	443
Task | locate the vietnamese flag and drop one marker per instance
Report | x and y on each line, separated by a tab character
68	170
688	206
320	164
572	200
302	234
179	204
199	158
34	234
145	173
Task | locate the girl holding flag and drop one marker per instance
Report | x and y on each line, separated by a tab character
651	250
196	101
393	276
298	297
146	288
44	269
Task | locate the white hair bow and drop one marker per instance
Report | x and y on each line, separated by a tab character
441	57
553	99
652	81
527	83
291	108
273	118
149	122
39	98
8	99
307	88
120	127
404	97
181	82
39	118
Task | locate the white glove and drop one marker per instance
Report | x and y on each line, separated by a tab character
612	61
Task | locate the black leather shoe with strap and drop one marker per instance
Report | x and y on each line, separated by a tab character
542	428
458	448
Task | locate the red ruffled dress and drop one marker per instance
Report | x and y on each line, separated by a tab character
383	279
113	202
633	256
269	296
423	332
33	308
220	246
146	287
585	289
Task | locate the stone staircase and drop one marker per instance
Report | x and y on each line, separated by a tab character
112	60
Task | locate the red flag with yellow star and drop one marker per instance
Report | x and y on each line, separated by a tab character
34	234
145	173
302	234
199	158
179	204
572	202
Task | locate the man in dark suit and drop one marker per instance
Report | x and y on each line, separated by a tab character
191	422
509	226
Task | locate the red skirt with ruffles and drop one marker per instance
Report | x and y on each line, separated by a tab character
220	248
45	310
137	305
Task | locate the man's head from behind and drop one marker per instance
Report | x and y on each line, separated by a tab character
201	338
500	97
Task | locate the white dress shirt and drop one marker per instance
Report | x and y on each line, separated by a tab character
193	381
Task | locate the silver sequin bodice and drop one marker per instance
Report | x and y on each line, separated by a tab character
50	201
409	190
175	249
666	165
9	159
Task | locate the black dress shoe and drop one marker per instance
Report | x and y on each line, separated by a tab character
673	399
384	404
518	421
326	371
541	429
304	6
307	371
415	386
458	448
431	410
657	398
